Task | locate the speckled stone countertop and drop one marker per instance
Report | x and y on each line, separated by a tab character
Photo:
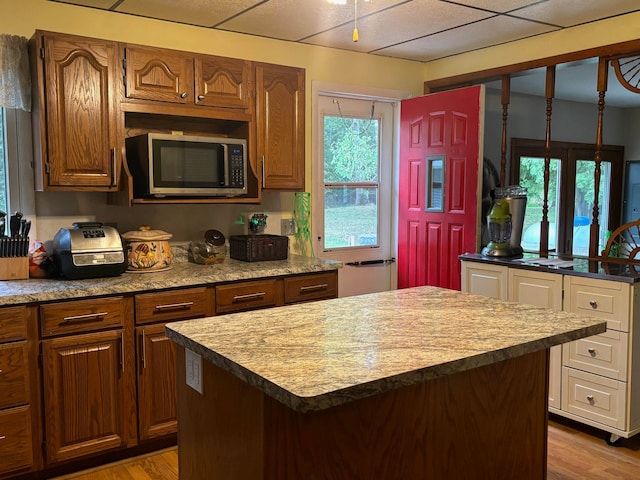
317	355
616	270
181	274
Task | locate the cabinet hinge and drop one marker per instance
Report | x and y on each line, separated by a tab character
42	53
46	168
124	63
44	448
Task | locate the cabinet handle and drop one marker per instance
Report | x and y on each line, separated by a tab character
320	286
144	351
249	296
122	351
114	174
590	399
174	306
263	183
200	97
88	316
593	304
592	351
183	95
2	437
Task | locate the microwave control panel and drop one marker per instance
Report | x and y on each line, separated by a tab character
236	166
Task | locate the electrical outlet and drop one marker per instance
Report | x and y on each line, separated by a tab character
193	365
287	226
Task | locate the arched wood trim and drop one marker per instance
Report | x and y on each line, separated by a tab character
603	69
628	71
506	97
550	88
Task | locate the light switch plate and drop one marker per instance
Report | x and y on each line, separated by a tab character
193	365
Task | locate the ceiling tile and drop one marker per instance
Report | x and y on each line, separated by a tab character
398	25
195	12
297	19
103	4
492	31
501	7
568	13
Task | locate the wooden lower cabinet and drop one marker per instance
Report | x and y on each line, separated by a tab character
86	401
16	452
156	383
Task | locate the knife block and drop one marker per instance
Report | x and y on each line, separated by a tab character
14	268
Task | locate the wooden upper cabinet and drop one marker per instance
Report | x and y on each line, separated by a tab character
178	77
76	85
280	111
158	74
222	82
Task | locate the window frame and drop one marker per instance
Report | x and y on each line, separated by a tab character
568	153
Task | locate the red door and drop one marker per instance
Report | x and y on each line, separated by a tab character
438	198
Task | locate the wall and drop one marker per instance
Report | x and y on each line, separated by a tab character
187	222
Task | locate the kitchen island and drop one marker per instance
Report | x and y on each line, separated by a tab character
421	383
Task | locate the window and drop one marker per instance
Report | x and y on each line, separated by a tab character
4	201
570	194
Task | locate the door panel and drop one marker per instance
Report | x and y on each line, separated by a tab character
444	126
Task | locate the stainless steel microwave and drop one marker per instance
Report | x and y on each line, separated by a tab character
187	165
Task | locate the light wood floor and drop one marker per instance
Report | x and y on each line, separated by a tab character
575	452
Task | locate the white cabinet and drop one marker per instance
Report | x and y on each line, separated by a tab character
594	380
484	279
544	290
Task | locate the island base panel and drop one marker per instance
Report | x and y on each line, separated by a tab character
486	423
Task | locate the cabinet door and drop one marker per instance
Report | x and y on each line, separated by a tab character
14	375
280	119
156	382
15	439
158	74
222	82
544	290
84	411
484	279
79	88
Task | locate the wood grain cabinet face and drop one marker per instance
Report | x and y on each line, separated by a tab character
77	88
84	404
172	305
14	380
178	77
15	439
12	324
156	383
79	316
252	295
305	288
280	110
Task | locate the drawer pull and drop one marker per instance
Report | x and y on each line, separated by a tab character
144	351
593	304
2	437
592	351
174	306
320	286
590	399
88	316
249	296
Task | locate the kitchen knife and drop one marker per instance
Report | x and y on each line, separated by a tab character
14	224
3	221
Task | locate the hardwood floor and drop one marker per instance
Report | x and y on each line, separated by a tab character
575	452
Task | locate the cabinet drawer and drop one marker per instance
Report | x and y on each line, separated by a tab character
310	287
173	305
600	298
81	315
242	296
15	439
13	324
594	397
604	354
13	375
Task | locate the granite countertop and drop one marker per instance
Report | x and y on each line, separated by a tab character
181	274
616	270
317	355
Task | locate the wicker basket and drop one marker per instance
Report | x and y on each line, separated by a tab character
258	248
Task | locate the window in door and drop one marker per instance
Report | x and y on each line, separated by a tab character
570	194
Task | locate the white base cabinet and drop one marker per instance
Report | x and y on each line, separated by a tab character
595	380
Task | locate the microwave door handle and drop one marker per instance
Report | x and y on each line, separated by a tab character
225	164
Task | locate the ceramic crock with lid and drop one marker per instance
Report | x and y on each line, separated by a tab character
148	250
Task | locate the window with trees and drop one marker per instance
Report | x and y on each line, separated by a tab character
570	194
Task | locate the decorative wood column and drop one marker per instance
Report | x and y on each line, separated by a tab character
506	97
603	68
544	224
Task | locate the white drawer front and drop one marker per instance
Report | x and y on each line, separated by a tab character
600	298
604	354
594	397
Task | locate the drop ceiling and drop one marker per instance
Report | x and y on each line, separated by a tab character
418	30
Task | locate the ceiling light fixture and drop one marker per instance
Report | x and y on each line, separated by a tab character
355	15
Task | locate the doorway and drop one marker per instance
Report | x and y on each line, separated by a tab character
353	206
